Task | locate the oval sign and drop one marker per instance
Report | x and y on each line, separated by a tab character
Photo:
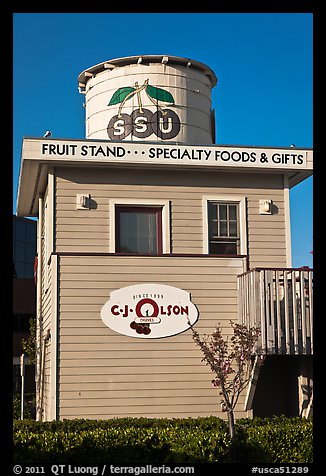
149	311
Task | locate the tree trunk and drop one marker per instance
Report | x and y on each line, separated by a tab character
231	424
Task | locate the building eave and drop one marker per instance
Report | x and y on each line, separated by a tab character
35	164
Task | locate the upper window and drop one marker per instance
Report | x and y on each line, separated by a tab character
24	247
138	230
223	228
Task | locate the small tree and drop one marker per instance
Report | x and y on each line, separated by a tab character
230	362
29	344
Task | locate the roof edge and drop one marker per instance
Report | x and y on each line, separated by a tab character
84	76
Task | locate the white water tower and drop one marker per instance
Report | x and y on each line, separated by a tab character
149	97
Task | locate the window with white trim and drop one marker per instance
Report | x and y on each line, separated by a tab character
138	230
223	228
224	224
140	226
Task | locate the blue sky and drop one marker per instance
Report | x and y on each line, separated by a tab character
263	62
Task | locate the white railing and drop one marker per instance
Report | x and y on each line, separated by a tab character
280	302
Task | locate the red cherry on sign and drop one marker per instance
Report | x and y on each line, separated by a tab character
133	325
139	329
147	330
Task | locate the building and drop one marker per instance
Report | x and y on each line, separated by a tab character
146	224
24	295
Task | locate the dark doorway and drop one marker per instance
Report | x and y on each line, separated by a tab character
277	387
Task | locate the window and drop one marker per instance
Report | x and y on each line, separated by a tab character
139	226
223	228
24	246
138	229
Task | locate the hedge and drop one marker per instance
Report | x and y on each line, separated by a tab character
29	405
162	441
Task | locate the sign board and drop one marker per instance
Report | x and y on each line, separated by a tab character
165	154
38	154
149	311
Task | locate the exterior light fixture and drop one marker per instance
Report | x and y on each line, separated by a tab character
265	207
83	201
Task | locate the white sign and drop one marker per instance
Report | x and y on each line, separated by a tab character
149	311
118	152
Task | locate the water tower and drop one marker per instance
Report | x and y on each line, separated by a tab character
149	97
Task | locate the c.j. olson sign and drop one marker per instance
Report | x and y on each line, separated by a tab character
149	311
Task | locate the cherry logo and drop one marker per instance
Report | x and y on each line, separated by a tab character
140	328
144	328
142	123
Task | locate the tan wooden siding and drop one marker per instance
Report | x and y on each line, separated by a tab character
47	286
103	374
46	315
89	230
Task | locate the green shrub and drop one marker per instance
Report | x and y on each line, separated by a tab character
162	441
288	440
29	406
